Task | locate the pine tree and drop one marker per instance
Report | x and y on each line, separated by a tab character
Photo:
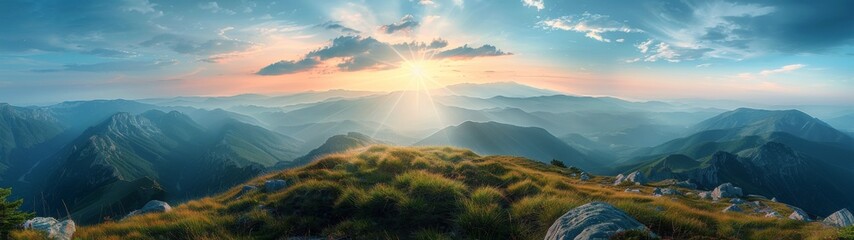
10	217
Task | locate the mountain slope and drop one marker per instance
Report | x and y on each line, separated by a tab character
754	122
335	144
488	90
383	192
25	134
503	139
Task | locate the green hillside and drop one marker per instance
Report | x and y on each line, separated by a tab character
384	192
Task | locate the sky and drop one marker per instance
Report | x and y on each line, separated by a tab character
773	52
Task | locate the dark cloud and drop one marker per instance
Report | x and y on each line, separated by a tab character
117	66
407	23
187	46
288	67
466	52
361	53
335	25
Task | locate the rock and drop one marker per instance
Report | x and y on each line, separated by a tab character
773	214
596	220
705	195
841	218
275	185
243	191
732	208
153	206
726	190
686	184
799	214
635	177
55	230
670	191
774	199
656	191
584	177
632	190
737	201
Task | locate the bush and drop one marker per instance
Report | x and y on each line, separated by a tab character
558	163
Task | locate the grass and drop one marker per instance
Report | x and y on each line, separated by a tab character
384	192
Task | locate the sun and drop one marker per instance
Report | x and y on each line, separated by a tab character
418	70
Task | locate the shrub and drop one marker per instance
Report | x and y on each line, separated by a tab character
558	163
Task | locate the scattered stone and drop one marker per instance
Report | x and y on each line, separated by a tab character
705	195
275	185
584	176
632	190
686	184
726	190
635	177
732	208
841	218
773	214
656	192
774	199
596	220
737	201
243	191
799	214
670	191
55	230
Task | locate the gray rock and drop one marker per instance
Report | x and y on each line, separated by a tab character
799	214
732	208
596	220
737	201
705	195
773	214
670	191
584	177
55	230
243	191
774	199
153	206
841	218
656	192
275	185
726	190
635	177
632	190
686	184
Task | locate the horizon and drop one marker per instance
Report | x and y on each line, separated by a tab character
748	51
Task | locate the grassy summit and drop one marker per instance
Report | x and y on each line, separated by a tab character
384	192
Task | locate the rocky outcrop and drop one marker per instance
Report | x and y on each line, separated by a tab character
634	177
798	214
737	201
55	230
841	218
705	195
732	208
726	190
153	206
596	220
665	191
275	185
773	214
686	184
584	177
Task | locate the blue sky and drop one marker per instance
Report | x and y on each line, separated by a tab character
785	52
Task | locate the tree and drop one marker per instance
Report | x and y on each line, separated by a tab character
558	163
10	217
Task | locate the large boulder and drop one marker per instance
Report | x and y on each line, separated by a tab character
841	218
732	208
726	190
153	206
596	220
584	177
275	185
635	177
705	195
55	230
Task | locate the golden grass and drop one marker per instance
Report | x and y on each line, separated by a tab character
373	192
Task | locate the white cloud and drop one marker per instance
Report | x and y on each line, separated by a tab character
215	8
459	3
783	69
427	2
703	65
654	52
592	25
538	4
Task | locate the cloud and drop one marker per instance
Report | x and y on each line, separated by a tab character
358	53
111	53
335	25
466	52
287	67
117	66
538	4
427	2
407	23
185	45
783	69
214	7
654	52
592	25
